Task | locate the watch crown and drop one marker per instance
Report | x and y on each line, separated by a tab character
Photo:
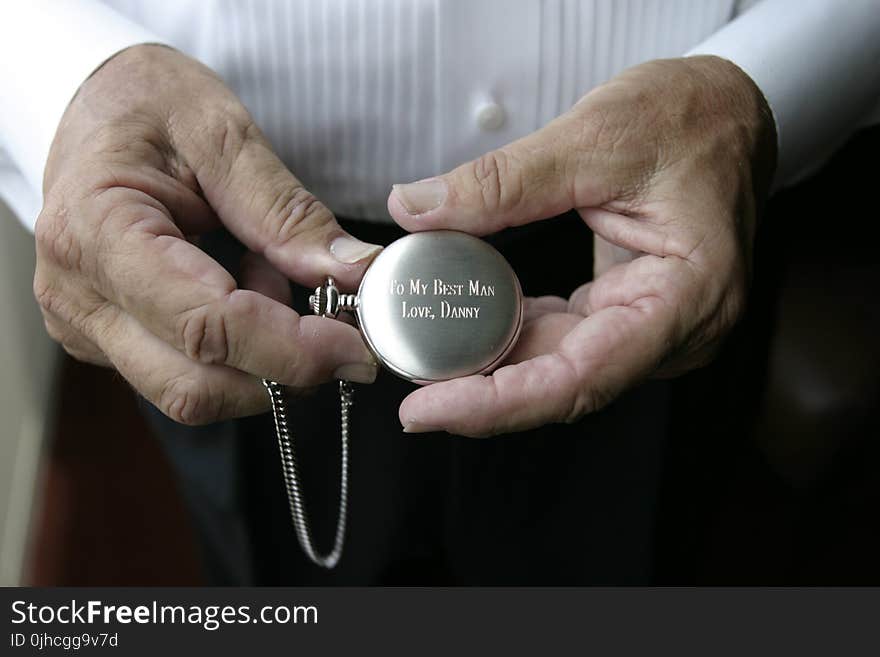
327	301
318	300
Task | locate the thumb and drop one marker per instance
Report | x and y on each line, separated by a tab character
266	207
524	181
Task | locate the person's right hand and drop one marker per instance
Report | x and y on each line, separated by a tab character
153	150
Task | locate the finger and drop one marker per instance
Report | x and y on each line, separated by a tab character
180	197
539	176
628	236
600	357
627	282
74	343
534	307
518	183
579	301
606	255
259	275
193	304
542	335
187	392
63	304
268	209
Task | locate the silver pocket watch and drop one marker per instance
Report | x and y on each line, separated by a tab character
432	306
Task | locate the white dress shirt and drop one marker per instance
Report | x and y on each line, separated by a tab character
358	94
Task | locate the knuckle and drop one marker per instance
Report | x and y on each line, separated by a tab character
588	399
55	238
599	397
225	133
577	397
187	400
500	187
578	405
585	395
231	133
204	335
295	370
84	315
76	346
45	293
294	213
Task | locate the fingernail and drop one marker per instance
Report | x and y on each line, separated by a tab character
356	372
423	196
414	426
349	250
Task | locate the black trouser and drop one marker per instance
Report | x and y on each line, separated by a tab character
563	504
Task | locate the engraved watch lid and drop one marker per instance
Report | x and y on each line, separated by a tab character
437	305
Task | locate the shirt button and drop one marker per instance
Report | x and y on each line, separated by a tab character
490	116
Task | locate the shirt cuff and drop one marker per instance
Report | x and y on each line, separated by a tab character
817	63
48	48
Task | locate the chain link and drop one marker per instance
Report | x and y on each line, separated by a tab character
290	471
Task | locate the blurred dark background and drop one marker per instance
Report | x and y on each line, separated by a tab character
771	475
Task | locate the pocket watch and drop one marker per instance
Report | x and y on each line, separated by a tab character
432	306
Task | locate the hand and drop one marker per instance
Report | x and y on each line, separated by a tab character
667	164
153	150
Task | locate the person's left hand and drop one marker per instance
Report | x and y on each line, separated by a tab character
668	164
